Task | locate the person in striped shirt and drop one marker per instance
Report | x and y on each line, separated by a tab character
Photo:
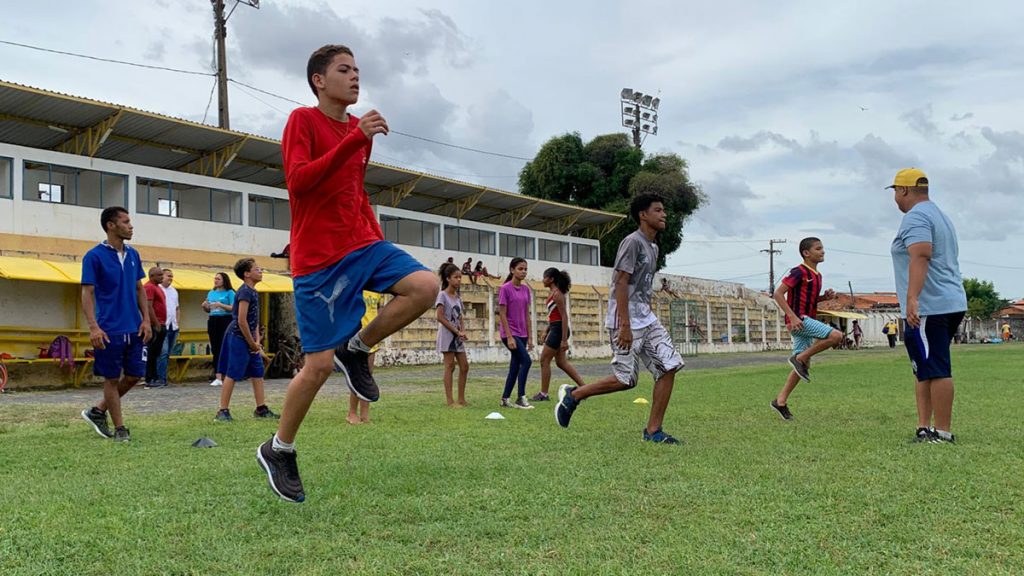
798	295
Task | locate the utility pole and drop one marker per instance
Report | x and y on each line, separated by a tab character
220	34
771	262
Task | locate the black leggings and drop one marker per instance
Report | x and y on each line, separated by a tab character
215	327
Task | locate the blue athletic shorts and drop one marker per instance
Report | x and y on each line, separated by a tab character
237	361
124	353
329	303
928	345
812	330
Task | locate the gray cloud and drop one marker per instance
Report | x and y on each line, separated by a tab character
155	51
920	120
756	142
726	211
961	117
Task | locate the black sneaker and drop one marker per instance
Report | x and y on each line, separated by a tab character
98	420
282	471
262	411
660	437
800	368
566	405
938	438
121	434
540	397
356	366
223	415
923	435
782	410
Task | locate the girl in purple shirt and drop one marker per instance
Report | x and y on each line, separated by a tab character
514	315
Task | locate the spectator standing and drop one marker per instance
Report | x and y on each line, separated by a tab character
172	324
219	303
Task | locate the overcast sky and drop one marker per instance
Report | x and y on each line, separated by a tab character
793	115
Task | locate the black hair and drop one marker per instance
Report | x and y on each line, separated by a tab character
807	244
561	279
110	214
446	271
225	280
641	203
512	266
242	266
321	59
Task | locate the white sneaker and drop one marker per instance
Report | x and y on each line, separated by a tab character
216	382
522	403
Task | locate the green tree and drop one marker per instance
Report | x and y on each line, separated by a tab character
606	174
982	299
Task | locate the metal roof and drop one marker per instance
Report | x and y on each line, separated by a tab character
38	118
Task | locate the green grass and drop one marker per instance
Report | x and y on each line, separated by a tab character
428	490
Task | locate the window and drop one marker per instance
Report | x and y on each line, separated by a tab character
554	251
76	186
167	208
411	232
522	246
584	254
177	200
6	181
266	212
468	240
51	193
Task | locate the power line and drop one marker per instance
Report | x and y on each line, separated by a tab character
209	101
982	264
110	60
744	257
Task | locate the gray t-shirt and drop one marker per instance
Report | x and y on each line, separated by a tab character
453	313
637	257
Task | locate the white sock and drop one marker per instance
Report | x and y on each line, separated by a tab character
356	345
282	446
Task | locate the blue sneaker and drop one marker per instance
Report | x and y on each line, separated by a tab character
660	437
566	405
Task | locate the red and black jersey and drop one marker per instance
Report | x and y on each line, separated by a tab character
804	290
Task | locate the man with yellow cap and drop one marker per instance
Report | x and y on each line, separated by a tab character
932	300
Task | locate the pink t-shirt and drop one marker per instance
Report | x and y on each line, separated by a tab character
517	303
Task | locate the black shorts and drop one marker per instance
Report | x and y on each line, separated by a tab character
928	345
554	339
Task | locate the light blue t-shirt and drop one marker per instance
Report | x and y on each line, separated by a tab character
226	297
943	291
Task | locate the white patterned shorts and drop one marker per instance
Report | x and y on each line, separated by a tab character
652	346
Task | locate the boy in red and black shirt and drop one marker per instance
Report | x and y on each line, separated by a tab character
798	296
337	250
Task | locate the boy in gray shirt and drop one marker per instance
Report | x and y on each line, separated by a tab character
636	334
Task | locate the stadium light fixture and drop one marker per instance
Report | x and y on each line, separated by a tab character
638	112
655	103
627	93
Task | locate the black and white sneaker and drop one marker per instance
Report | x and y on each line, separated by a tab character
356	367
566	405
262	411
282	471
98	420
800	368
121	434
522	403
783	410
942	438
923	434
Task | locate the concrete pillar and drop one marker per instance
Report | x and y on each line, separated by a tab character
778	327
490	316
746	324
764	327
710	339
686	318
728	323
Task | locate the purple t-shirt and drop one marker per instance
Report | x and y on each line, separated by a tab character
517	303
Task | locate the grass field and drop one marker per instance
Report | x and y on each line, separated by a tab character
429	490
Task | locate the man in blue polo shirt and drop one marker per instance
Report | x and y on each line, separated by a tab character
117	311
932	300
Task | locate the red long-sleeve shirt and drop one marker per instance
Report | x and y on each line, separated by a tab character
324	166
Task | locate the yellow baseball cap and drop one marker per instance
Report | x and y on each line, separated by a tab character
910	177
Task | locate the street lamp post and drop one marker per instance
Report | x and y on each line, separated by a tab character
639	113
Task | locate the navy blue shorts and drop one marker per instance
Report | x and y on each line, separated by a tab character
237	361
928	345
124	353
329	303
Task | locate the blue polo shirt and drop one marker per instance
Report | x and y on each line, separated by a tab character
117	304
943	291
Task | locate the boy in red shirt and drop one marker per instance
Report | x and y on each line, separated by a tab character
337	251
798	295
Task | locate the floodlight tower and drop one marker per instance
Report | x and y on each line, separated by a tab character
639	113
